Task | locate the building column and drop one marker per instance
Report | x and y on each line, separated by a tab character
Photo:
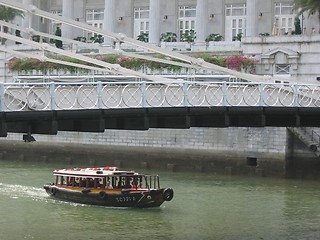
155	21
201	20
27	19
109	20
252	17
67	12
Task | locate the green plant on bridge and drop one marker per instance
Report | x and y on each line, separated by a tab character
239	63
217	60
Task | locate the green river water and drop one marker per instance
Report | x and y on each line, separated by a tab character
205	206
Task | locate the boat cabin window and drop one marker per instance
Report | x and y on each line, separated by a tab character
127	182
104	182
60	180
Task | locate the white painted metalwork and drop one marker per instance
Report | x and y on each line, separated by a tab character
106	95
192	62
92	46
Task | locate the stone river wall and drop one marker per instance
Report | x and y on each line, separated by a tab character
254	151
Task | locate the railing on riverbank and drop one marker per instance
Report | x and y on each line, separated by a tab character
309	136
314	136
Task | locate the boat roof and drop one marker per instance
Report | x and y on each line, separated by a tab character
93	172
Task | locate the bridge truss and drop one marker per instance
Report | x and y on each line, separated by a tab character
183	60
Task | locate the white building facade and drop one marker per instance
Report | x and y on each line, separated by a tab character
229	18
266	28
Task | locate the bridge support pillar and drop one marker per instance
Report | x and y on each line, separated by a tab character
3	129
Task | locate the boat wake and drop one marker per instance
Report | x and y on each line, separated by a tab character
19	191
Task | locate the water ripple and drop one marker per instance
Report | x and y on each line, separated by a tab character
18	191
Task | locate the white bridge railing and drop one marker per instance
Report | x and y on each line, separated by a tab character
106	95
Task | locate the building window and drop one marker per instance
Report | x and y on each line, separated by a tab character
57	12
284	15
141	21
282	69
187	19
236	9
94	17
235	21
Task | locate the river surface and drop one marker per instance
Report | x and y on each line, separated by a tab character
204	207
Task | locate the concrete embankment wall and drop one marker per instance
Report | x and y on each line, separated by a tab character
258	151
266	151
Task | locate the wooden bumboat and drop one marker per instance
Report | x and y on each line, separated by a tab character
108	186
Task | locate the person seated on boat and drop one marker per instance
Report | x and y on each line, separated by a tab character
128	185
71	181
99	182
135	183
76	182
120	184
83	182
108	185
91	182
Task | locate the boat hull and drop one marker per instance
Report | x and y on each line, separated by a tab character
111	198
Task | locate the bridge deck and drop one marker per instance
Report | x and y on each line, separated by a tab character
50	122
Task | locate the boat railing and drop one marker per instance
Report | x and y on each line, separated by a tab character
152	181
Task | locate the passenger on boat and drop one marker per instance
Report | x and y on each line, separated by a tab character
72	181
83	182
109	186
91	182
128	185
120	183
135	183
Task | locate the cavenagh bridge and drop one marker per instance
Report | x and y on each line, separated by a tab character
47	108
